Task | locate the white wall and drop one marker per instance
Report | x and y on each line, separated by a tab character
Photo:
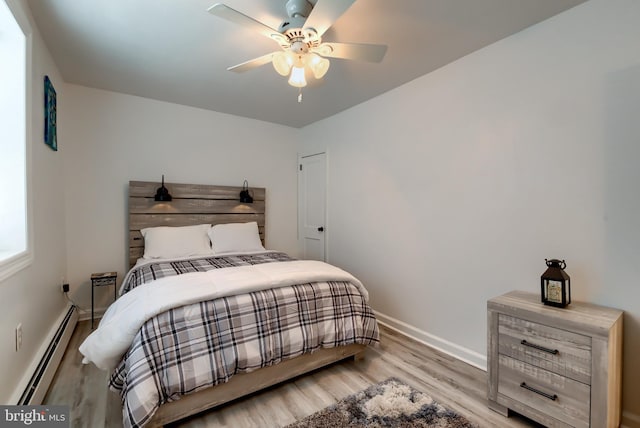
454	188
32	296
112	138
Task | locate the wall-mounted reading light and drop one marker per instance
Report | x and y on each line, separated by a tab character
162	194
245	196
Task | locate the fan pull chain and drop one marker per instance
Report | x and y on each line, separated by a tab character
300	95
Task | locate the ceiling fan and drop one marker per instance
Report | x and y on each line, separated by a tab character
300	38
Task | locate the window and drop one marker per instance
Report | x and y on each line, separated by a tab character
15	248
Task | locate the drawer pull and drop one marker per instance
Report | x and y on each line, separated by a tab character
553	397
539	348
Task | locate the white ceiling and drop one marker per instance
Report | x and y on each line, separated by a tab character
174	51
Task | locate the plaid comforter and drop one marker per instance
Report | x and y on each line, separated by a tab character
196	346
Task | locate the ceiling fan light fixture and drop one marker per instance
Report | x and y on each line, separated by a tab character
297	77
300	37
318	65
282	62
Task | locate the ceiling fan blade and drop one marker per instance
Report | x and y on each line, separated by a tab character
225	12
251	64
359	51
325	13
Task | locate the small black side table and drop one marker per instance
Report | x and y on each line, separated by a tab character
99	280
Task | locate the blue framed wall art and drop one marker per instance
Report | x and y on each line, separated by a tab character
50	115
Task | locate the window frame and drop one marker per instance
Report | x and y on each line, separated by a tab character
21	260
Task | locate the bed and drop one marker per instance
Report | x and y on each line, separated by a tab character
193	331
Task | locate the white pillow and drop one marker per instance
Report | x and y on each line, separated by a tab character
167	242
235	238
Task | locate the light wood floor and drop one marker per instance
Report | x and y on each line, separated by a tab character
449	381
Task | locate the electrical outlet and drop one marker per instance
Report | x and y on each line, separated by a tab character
18	337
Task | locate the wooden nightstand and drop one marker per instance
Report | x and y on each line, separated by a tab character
99	280
559	367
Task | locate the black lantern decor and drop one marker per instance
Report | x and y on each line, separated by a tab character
555	284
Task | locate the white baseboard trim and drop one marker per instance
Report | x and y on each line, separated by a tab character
630	420
460	352
45	362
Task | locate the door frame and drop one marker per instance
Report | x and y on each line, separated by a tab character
327	227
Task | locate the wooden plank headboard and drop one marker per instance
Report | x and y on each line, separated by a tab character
191	204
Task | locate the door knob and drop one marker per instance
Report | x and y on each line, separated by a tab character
321	229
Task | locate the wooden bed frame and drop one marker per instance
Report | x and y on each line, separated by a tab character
247	383
198	204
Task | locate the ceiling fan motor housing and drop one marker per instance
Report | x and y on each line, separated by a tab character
298	8
298	11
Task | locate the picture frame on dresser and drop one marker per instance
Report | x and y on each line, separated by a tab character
559	367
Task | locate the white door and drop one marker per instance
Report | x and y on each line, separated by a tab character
312	182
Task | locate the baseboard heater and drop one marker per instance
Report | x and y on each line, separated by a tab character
46	369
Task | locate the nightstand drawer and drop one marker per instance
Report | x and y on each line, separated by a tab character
553	349
556	396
